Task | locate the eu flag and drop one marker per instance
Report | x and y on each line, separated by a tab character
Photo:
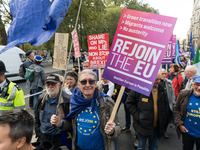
177	52
35	21
192	53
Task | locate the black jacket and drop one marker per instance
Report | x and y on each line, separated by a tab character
143	112
183	85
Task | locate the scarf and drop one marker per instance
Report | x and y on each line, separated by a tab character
79	103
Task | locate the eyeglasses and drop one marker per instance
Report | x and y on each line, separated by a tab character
187	71
51	83
84	82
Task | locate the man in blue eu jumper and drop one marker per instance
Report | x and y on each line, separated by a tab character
187	115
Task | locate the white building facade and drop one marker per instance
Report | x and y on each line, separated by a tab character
195	24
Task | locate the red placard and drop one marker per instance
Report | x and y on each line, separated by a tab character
76	44
98	49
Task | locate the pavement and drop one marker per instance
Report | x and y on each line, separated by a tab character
48	68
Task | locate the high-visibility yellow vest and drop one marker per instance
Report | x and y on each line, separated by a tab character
15	99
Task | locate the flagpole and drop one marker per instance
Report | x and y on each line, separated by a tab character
68	58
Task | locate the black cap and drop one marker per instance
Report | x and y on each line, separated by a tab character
2	67
28	53
52	78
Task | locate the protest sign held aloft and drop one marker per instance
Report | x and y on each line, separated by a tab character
168	53
77	53
98	50
173	46
60	51
138	48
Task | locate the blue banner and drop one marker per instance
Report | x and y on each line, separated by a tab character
35	21
177	52
192	53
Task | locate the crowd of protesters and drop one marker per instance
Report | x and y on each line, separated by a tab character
73	113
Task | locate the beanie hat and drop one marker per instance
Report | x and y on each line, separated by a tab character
38	59
182	64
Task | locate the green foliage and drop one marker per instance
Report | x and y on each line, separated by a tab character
0	40
27	46
112	17
132	4
5	12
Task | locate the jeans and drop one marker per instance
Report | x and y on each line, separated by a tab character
35	98
128	117
153	143
188	142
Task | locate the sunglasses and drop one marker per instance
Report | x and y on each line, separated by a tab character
84	82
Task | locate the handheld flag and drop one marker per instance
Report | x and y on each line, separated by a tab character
192	54
196	61
188	62
35	21
177	52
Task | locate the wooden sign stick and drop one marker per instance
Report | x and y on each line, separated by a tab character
160	70
99	70
79	68
114	112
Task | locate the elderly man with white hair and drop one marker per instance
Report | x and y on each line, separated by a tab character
190	72
47	106
187	115
170	98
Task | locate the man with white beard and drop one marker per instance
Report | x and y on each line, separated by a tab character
187	115
46	107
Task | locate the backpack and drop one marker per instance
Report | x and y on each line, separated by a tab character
29	75
22	71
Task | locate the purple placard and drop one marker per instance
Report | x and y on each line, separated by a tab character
138	49
174	47
168	53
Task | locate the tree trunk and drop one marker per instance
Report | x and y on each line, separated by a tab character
3	33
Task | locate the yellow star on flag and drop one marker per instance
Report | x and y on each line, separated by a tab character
50	0
69	135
